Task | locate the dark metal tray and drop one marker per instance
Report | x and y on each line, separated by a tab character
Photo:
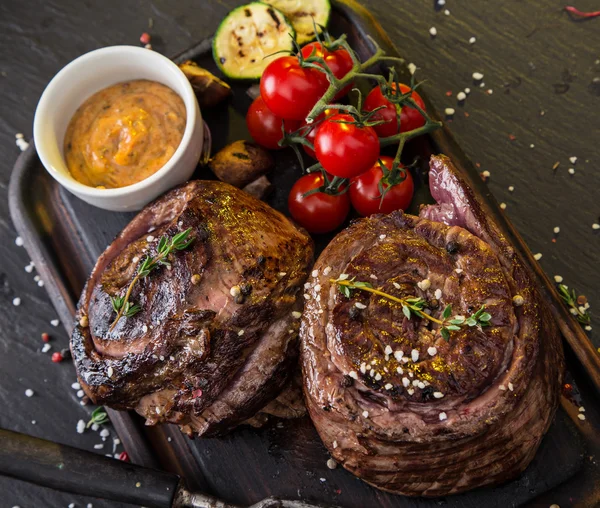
64	236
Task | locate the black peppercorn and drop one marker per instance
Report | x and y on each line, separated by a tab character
346	382
452	247
246	288
354	312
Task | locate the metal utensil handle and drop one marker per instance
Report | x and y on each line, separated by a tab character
68	469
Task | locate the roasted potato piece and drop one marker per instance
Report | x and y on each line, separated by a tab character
240	163
209	89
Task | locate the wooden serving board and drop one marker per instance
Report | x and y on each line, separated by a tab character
64	236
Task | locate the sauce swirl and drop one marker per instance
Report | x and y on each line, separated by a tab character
124	133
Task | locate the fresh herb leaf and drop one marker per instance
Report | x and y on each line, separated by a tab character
98	417
445	334
447	312
577	304
406	311
486	316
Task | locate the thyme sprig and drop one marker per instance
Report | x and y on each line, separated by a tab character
415	305
121	304
99	417
579	310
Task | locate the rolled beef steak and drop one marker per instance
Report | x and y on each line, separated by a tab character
395	402
215	338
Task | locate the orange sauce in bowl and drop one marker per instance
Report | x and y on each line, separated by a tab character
124	133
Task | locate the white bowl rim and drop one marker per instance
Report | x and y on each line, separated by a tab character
191	118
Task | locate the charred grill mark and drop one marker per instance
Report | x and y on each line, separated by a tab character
274	17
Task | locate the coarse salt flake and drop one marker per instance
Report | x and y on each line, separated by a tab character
412	68
414	355
359	305
396	285
432	351
109	371
343	276
461	96
571	171
477	76
503	206
581	409
410	391
438	395
315	273
80	427
424	285
19	241
76	386
405	381
327	270
16	301
595	225
55	322
511	188
296	314
150	238
388	386
29	392
46	348
433	31
353	374
556	230
378	377
573	160
558	279
449	111
502	387
382	237
365	414
581	416
511	387
240	333
443	416
388	350
537	256
438	294
472	40
458	270
373	276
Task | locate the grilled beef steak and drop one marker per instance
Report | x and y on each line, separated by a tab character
215	338
394	402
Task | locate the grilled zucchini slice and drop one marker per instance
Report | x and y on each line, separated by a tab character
249	34
301	13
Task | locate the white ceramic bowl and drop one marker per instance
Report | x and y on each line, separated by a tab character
91	73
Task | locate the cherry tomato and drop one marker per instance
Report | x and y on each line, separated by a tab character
346	149
410	118
319	212
312	131
265	127
339	61
366	197
290	90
